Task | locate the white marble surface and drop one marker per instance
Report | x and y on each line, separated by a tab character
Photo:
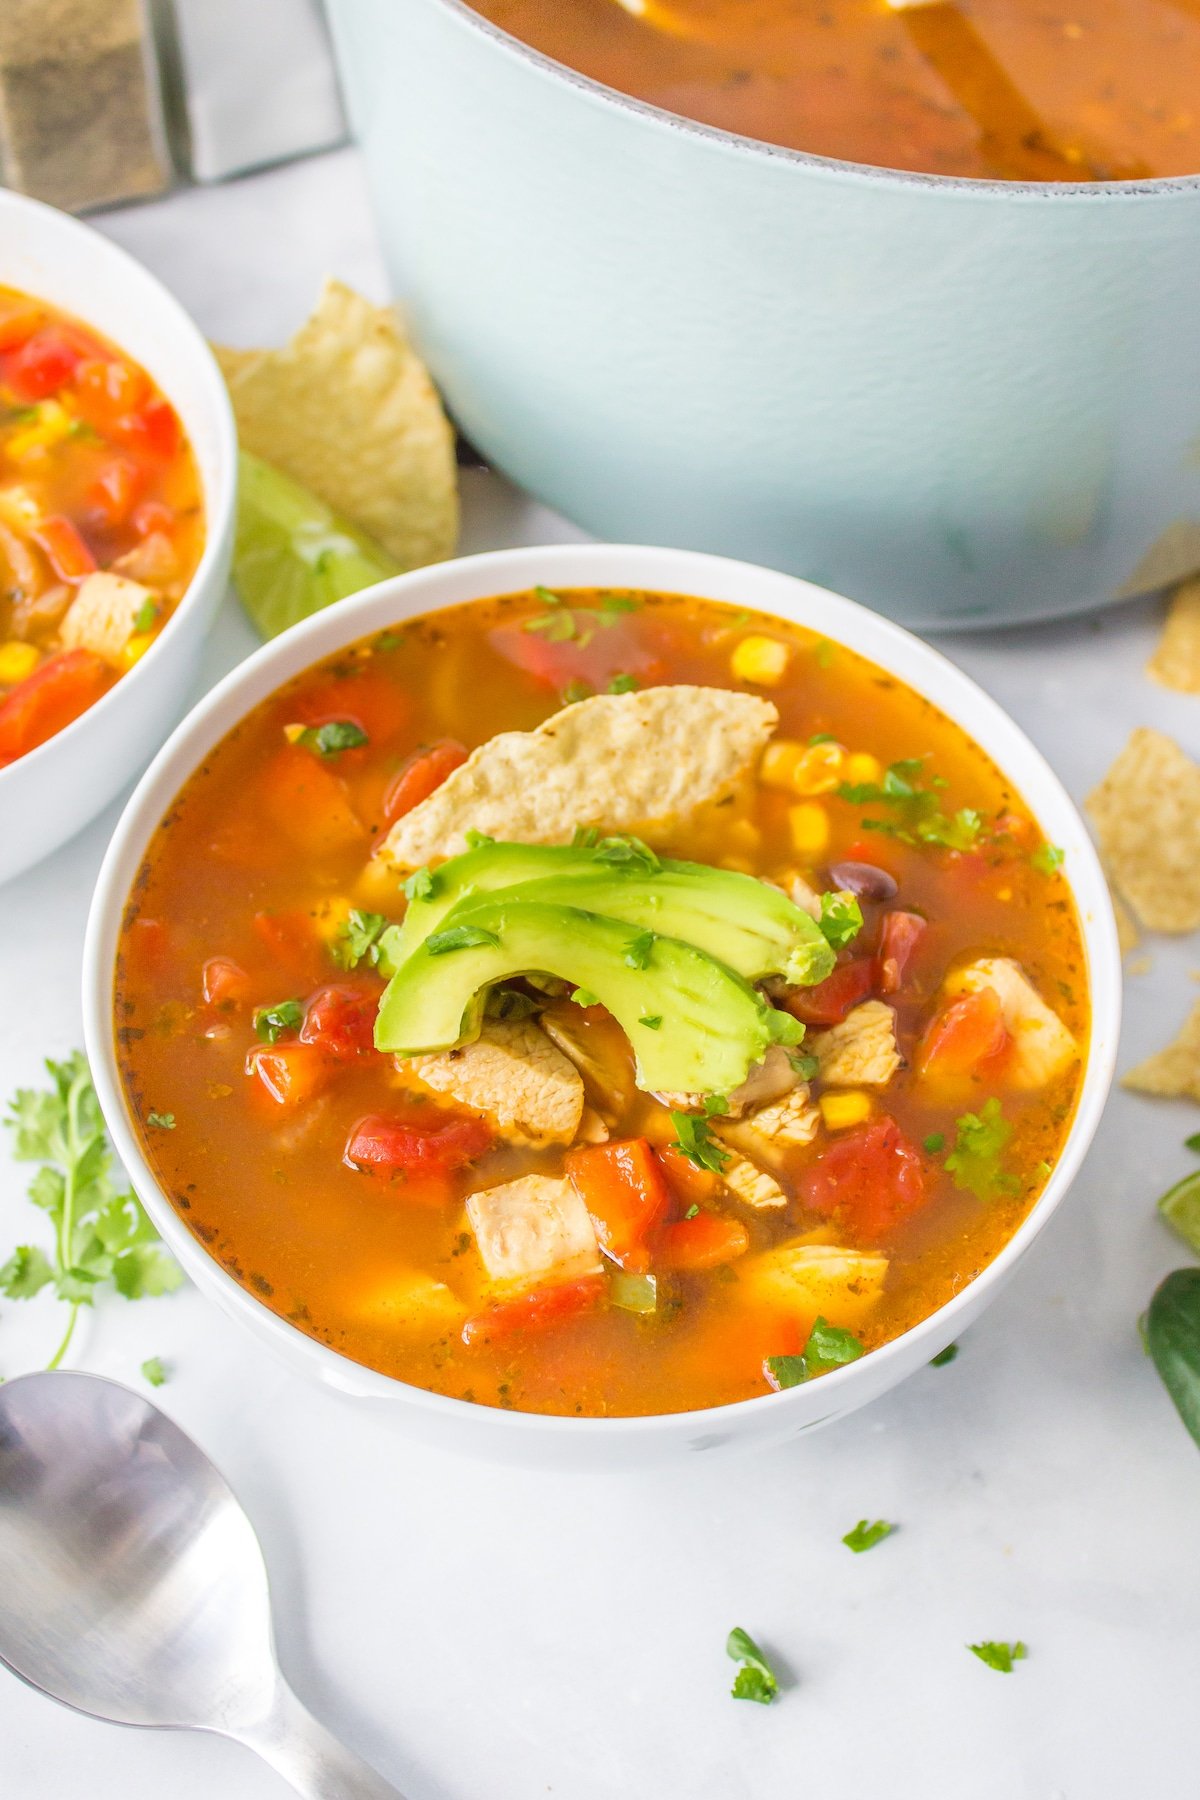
485	1633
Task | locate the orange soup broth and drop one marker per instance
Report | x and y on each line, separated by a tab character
333	1249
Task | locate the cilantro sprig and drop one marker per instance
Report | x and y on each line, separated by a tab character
755	1679
695	1141
270	1022
915	814
865	1536
101	1234
828	1347
975	1163
999	1656
841	919
358	938
329	740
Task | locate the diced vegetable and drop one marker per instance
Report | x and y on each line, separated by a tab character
420	776
703	1242
61	541
633	1293
899	938
49	700
292	1074
224	982
340	1020
871	1180
388	1144
830	1000
964	1037
625	1191
307	803
535	1311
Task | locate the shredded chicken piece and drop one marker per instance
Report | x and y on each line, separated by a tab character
772	1130
531	1227
1042	1047
101	616
753	1186
861	1050
514	1074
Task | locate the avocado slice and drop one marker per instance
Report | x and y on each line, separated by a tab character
712	1027
752	927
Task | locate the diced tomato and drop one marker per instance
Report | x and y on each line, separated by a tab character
625	1191
592	654
830	1000
49	699
224	982
420	775
112	494
61	541
42	365
535	1310
307	803
292	1074
152	429
871	1179
18	324
106	390
693	1185
898	939
292	941
154	518
388	1144
340	1020
964	1036
374	702
701	1242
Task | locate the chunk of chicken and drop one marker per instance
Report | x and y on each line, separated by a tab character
533	1227
861	1050
767	1133
1042	1047
411	1305
101	617
841	1284
514	1074
767	1081
599	1049
752	1185
803	895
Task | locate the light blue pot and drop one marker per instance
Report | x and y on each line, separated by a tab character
958	401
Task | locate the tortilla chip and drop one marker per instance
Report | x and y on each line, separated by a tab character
1147	817
1174	1071
641	762
1176	662
348	410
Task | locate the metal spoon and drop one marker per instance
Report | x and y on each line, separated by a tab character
132	1586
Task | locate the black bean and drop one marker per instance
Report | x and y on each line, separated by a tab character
864	879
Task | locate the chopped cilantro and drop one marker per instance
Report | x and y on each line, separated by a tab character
652	1021
917	814
1000	1657
935	1143
330	740
584	997
575	691
623	684
270	1022
696	1141
638	949
145	616
419	885
841	919
943	1357
556	627
101	1233
613	605
628	853
153	1371
980	1141
547	596
359	934
585	837
828	1347
692	1210
161	1121
755	1679
865	1537
459	937
822	737
389	640
1046	858
805	1066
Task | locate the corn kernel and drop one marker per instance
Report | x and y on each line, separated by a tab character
779	761
136	648
809	827
329	916
863	767
820	769
840	1111
17	660
293	733
378	887
760	659
52	425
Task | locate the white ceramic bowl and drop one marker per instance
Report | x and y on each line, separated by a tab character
48	795
530	1437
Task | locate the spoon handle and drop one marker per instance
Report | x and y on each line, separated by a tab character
300	1749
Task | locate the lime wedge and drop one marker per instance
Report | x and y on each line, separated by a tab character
293	554
1180	1207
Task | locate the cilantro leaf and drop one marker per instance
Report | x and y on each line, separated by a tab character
943	1357
980	1141
841	919
999	1656
585	997
694	1139
420	885
161	1121
638	949
865	1537
153	1371
1047	858
359	934
755	1679
828	1347
270	1022
628	853
547	596
557	627
101	1232
330	739
623	684
575	691
652	1021
935	1143
692	1210
805	1066
459	937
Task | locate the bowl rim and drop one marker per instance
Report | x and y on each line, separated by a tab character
655	569
219	498
1062	192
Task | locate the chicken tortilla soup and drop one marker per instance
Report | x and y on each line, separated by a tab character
601	1002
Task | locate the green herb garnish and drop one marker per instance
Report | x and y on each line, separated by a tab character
628	853
638	950
328	741
556	627
584	997
1047	858
270	1022
805	1066
652	1021
575	691
828	1347
547	596
145	616
692	1210
917	812
943	1357
980	1141
696	1141
101	1233
935	1143
358	937
458	937
1000	1657
153	1371
623	684
865	1537
420	885
161	1121
755	1679
841	919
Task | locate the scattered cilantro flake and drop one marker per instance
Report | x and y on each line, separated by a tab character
638	950
613	605
547	596
864	1536
459	937
1000	1657
1046	858
755	1679
694	1139
824	653
841	919
161	1121
557	627
101	1233
420	885
358	936
980	1141
692	1210
943	1357
153	1371
584	997
822	737
828	1347
917	814
575	691
652	1021
628	853
389	640
715	1105
585	837
623	684
935	1143
805	1066
327	741
270	1022
145	616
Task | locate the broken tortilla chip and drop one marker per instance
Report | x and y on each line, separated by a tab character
1174	1071
640	762
348	410
1147	817
1176	662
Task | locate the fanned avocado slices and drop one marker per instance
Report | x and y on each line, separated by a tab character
707	1026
